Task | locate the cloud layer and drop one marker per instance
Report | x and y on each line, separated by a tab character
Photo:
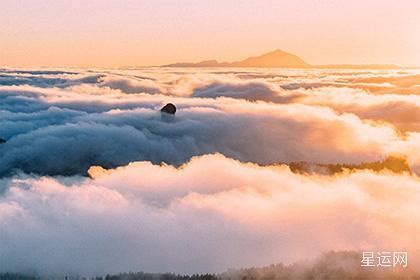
111	119
207	216
146	206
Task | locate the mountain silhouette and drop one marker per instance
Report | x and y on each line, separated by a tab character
281	59
276	58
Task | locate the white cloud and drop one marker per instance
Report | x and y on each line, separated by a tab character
114	129
214	212
211	214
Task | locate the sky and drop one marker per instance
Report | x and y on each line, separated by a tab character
111	33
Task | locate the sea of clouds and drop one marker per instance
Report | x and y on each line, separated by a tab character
95	179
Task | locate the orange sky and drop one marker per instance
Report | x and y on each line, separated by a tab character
112	33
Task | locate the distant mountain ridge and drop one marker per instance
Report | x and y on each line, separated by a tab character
276	58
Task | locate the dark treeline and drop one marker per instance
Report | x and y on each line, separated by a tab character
332	265
15	276
393	164
121	276
157	276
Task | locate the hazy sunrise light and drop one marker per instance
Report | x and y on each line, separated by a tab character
209	140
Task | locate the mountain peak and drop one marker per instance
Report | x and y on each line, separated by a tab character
275	58
280	59
276	51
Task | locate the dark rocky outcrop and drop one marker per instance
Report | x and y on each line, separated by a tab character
169	109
